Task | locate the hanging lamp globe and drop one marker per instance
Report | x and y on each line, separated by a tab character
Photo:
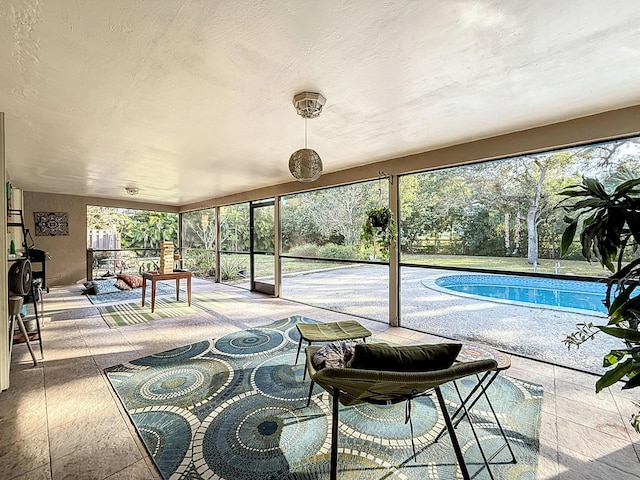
305	165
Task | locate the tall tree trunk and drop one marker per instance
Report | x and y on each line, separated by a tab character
507	241
532	217
532	234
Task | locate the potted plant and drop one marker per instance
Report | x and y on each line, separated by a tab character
379	230
608	217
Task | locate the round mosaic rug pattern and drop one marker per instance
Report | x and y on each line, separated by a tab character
235	408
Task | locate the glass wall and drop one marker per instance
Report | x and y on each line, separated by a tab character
461	227
504	215
324	262
121	240
234	245
198	243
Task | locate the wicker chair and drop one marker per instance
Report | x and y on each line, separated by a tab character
351	386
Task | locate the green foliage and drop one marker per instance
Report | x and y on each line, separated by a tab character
234	227
146	229
199	229
306	250
340	252
201	263
379	230
608	221
481	233
231	267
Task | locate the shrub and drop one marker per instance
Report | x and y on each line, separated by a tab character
231	266
306	250
340	252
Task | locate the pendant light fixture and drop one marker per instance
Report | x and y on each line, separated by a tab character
305	164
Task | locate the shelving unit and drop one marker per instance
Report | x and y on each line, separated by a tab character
15	219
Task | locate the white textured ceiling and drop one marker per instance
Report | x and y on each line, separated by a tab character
191	100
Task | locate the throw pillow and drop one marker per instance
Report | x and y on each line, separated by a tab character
101	287
334	354
122	285
411	358
134	281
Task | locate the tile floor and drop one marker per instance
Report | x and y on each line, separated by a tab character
61	420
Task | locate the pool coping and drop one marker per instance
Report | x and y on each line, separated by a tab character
430	283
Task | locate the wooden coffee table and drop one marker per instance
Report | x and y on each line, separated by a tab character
154	277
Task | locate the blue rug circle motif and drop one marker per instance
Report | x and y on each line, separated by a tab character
381	423
178	354
167	435
250	342
256	437
185	385
279	377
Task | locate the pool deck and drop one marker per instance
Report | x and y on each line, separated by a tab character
529	331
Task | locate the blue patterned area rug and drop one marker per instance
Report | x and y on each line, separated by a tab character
133	294
235	409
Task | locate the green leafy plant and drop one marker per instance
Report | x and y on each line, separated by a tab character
608	220
231	268
379	230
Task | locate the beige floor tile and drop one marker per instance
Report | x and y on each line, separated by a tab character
87	430
98	460
585	394
24	455
605	421
606	449
63	408
138	471
547	461
40	473
574	466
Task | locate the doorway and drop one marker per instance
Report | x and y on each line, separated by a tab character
262	248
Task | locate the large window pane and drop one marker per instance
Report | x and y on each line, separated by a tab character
234	228
127	240
234	269
503	215
198	242
327	223
361	290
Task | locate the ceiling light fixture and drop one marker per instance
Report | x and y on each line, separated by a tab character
305	164
132	190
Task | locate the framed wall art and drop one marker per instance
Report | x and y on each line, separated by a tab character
51	224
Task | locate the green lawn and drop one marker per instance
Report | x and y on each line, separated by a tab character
264	264
514	264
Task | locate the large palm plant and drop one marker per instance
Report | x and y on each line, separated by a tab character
608	217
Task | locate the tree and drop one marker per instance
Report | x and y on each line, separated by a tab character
199	229
145	230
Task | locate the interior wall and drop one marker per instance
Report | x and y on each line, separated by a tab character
68	253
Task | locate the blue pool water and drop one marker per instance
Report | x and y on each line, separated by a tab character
542	292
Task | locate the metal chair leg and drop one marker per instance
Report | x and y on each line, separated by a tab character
299	346
35	309
452	434
310	392
334	435
26	339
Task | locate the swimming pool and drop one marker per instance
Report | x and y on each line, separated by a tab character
573	295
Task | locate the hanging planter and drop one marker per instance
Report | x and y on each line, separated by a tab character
379	230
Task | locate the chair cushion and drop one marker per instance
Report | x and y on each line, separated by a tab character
411	358
334	355
134	281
